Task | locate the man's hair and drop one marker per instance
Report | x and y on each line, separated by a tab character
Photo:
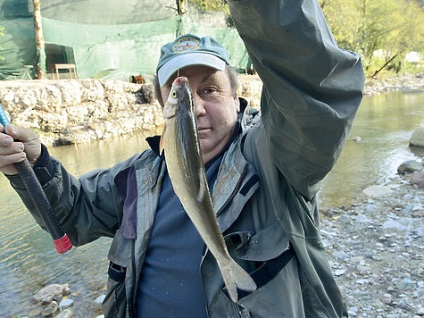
231	73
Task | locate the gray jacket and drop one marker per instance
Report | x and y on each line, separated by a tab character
265	192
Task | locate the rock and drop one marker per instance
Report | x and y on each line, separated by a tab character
65	314
405	284
387	299
99	300
357	139
417	179
409	167
48	293
340	272
50	309
377	191
65	303
417	138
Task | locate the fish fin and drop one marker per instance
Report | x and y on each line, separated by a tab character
236	277
162	138
202	187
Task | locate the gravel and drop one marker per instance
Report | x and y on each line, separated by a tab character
376	248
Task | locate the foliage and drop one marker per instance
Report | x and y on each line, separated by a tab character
390	28
382	31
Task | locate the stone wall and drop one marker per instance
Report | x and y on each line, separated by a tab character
74	111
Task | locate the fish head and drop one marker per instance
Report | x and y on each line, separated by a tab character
179	99
179	102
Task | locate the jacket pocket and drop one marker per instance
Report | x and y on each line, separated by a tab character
313	305
114	304
279	297
274	268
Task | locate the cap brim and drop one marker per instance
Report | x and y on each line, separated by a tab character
184	60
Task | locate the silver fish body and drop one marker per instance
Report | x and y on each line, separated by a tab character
184	162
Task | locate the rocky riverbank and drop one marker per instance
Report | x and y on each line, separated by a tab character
376	249
410	83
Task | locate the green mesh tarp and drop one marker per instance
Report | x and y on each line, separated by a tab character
104	38
17	47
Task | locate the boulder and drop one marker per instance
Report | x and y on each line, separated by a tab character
50	292
417	179
417	138
409	166
377	191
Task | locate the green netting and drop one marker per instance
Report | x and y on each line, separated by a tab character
92	11
16	47
104	39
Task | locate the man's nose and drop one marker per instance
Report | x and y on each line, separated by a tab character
199	107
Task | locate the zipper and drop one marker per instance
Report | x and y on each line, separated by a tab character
132	301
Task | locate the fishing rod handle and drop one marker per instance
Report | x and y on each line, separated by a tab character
45	211
61	241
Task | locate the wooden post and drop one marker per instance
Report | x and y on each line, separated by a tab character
181	7
40	65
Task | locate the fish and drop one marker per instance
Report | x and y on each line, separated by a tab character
181	148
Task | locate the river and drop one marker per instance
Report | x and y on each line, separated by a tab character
28	260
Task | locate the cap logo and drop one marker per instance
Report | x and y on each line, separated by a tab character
186	44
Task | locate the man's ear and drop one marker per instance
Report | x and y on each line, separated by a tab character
236	102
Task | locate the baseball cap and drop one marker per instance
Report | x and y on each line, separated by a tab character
188	50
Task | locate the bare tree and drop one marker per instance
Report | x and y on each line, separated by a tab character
39	41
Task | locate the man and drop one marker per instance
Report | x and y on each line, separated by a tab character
263	172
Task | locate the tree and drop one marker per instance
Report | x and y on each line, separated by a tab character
39	41
345	21
389	27
394	28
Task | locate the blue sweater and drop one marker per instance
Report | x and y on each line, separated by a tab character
170	284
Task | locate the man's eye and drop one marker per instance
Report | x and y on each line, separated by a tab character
209	90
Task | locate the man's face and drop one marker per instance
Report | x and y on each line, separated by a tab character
215	107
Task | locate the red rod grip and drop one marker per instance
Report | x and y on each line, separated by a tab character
62	244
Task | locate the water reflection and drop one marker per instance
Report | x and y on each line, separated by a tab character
29	261
384	125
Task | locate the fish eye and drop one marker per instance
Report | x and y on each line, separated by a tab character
174	93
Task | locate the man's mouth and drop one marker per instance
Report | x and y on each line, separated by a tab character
203	129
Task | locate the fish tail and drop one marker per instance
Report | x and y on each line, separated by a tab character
236	277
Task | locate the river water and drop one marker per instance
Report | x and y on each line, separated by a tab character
28	260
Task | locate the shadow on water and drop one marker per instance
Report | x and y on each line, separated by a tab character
28	260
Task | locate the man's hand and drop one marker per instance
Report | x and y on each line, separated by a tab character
16	144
